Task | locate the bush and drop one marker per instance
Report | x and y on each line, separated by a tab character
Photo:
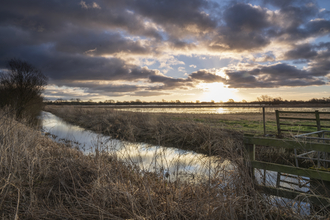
21	87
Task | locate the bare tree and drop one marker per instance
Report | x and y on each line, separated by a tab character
265	98
21	87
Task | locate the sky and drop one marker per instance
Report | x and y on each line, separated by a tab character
186	50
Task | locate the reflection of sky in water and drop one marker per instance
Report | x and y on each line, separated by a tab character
171	160
218	110
269	178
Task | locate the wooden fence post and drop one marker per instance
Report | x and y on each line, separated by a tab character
318	122
249	157
278	123
264	119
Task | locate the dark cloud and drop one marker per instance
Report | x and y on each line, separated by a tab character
248	27
245	17
286	3
320	65
317	56
178	17
99	43
148	93
243	30
229	40
169	82
296	23
77	67
97	87
56	16
183	83
182	45
63	67
206	77
267	57
313	28
305	51
272	76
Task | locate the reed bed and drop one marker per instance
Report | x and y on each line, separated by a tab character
41	179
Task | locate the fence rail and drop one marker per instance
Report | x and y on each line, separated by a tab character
250	143
316	118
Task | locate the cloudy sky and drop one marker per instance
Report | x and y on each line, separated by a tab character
172	49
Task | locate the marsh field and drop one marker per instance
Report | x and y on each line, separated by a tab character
241	120
47	177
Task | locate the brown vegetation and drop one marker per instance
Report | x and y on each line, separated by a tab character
40	179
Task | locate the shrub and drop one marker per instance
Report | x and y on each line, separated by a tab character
21	87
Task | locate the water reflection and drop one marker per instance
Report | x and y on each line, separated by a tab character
220	110
175	163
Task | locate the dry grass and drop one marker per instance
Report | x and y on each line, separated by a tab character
41	179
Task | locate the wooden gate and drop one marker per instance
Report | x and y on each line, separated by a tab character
323	176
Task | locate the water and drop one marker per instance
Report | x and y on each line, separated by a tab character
178	163
220	110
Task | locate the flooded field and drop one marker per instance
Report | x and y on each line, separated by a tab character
220	110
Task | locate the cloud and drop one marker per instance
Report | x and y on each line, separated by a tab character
100	43
83	4
130	46
206	77
272	76
178	17
286	3
149	93
246	18
169	82
317	57
55	17
101	87
268	57
304	51
181	69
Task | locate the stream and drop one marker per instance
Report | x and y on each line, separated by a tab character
173	161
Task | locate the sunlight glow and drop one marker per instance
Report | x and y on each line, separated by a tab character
218	92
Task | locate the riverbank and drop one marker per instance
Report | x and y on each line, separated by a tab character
41	179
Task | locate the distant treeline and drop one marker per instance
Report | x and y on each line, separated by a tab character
264	99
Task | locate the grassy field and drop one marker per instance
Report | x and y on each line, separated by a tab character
41	179
252	123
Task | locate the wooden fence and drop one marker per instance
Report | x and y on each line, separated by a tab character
317	118
250	142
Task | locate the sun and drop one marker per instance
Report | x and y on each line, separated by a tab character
217	92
